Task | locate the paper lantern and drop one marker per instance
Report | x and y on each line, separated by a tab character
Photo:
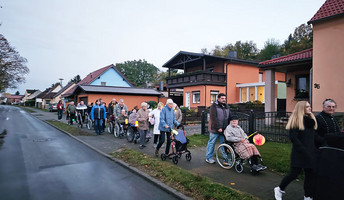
259	140
175	132
136	124
126	121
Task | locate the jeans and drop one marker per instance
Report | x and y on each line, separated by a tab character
211	143
98	125
143	136
162	140
59	114
308	184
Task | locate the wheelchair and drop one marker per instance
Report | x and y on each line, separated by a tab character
120	129
226	157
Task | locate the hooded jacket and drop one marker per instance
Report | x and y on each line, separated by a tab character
219	117
167	117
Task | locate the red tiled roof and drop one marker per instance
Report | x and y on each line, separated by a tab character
330	8
308	53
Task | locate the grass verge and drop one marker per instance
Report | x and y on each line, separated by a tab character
195	186
70	129
276	156
27	109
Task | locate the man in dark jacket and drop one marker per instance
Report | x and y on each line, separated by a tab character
98	113
219	120
326	122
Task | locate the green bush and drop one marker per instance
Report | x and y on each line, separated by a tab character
152	104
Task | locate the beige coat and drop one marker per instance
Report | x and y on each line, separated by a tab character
142	118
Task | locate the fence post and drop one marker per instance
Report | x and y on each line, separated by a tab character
251	124
203	121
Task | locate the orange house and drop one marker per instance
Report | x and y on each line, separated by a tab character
314	74
206	76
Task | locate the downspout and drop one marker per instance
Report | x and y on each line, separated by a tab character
311	86
227	81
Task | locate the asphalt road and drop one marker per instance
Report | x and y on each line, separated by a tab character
39	162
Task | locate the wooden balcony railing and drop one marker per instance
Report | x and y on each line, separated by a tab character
196	78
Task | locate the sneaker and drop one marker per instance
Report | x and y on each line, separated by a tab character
156	152
141	147
255	168
155	145
225	162
262	167
278	193
210	160
307	198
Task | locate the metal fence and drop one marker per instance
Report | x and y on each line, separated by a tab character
270	124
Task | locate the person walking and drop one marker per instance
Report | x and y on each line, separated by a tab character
71	110
219	120
155	120
60	108
142	118
301	125
167	119
119	107
98	113
326	122
177	113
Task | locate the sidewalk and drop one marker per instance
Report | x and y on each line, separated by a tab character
260	185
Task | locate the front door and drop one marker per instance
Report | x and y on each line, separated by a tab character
187	99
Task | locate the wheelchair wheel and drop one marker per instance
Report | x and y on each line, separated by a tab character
163	157
175	159
130	134
116	130
188	156
225	156
239	167
110	128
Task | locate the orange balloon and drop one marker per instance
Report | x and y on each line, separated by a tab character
259	140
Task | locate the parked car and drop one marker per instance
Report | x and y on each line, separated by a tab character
53	107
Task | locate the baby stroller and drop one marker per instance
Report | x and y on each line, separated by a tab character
179	147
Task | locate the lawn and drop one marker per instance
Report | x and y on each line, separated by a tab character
276	156
70	129
195	186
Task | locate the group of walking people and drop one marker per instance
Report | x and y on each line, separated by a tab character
307	133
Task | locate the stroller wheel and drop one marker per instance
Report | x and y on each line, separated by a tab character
175	159
163	157
188	156
239	168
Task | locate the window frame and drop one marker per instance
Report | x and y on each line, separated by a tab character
193	97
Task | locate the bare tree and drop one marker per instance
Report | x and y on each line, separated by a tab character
12	66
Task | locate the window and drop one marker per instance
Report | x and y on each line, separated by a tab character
210	69
196	97
260	77
302	86
213	96
103	83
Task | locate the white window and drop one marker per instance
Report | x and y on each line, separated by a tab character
260	77
196	97
213	96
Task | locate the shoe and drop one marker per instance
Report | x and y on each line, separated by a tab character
155	145
225	162
255	168
278	193
141	147
156	152
307	198
262	167
210	160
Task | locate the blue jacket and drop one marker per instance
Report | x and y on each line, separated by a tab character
168	118
98	112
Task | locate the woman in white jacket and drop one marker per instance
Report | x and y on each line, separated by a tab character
155	119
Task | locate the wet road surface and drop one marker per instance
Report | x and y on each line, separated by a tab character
39	162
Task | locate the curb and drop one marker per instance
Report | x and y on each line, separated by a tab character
158	183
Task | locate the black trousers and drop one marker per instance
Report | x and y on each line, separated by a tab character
162	140
294	173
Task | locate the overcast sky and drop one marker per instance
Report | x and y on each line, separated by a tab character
64	38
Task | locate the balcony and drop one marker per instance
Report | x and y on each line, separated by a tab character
196	78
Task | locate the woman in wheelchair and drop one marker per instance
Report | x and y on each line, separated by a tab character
121	119
236	135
